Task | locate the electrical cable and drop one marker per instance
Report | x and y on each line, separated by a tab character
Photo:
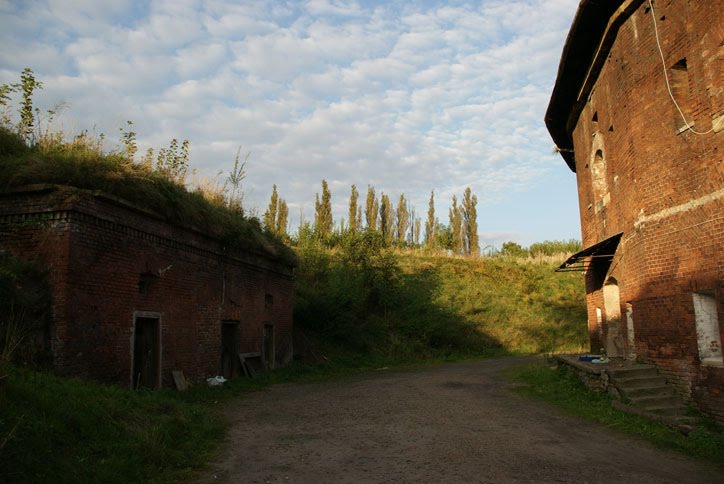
666	76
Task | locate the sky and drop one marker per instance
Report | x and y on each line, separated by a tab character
405	96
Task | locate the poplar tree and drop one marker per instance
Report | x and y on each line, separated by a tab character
371	207
470	214
416	232
282	218
430	224
403	219
353	209
386	222
276	217
323	213
456	227
270	216
412	217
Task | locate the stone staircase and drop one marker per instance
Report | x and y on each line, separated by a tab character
642	390
637	388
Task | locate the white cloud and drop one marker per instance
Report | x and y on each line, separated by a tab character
409	96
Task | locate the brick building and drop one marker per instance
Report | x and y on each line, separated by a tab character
650	182
135	297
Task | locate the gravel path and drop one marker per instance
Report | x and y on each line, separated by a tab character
456	423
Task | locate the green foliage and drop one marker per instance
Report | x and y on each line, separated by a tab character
128	139
81	165
270	216
387	220
364	297
371	208
276	215
353	210
28	85
456	227
564	390
323	222
336	293
173	162
61	430
11	143
232	186
282	219
430	223
470	222
525	307
513	249
402	219
24	310
554	247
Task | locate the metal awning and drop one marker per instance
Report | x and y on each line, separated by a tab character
602	251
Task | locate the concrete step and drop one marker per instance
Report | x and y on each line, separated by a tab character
638	371
657	401
645	391
636	382
682	423
667	410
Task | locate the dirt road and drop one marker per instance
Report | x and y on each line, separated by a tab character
456	423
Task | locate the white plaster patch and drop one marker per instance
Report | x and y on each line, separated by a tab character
707	330
668	212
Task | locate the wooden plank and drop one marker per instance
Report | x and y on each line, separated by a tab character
249	371
180	380
242	359
251	355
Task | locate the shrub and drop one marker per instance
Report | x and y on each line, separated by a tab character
24	311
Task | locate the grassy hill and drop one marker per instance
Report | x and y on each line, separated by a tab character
409	306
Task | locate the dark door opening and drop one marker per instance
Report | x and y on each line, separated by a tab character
268	346
146	350
230	349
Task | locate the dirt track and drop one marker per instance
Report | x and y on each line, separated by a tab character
455	423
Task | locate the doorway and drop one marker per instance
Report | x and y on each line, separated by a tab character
268	346
612	307
146	353
230	349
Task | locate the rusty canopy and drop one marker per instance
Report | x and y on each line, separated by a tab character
581	260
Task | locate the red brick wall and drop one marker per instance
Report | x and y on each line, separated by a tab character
97	249
663	188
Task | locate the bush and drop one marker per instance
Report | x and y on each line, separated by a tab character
339	293
24	311
11	143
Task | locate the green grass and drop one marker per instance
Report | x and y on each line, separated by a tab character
81	164
526	308
410	307
565	391
56	430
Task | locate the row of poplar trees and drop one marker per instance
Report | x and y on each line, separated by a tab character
398	225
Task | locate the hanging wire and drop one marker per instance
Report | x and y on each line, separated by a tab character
666	76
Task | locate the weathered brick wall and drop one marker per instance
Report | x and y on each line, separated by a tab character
109	261
661	186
